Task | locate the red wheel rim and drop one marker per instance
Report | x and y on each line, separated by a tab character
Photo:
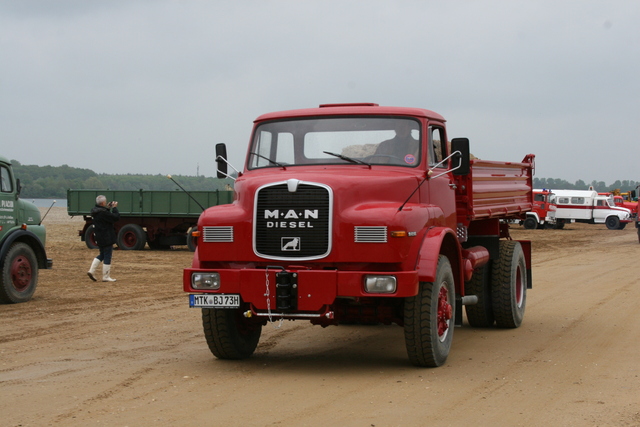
129	239
21	273
445	313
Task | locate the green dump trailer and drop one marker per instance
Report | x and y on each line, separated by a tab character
158	218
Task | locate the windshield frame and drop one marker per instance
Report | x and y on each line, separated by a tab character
337	140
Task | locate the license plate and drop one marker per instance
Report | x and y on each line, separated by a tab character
215	301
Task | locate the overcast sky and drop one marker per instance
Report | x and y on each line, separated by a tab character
151	86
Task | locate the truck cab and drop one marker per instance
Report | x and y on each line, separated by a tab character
22	240
543	214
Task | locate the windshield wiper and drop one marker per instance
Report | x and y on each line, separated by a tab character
348	159
269	160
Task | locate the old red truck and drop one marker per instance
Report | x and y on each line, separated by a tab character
543	213
359	213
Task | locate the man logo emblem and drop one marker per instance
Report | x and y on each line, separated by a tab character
290	244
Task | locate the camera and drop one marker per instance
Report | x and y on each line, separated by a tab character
112	204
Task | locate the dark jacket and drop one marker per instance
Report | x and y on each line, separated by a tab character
103	220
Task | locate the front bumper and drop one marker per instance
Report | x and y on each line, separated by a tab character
316	289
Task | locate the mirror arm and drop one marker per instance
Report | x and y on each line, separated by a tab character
457	154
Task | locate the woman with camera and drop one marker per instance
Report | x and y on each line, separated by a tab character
104	216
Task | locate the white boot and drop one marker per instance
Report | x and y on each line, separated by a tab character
106	268
92	271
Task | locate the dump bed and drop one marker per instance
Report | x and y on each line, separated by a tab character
495	190
148	203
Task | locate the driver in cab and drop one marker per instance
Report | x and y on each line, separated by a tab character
402	149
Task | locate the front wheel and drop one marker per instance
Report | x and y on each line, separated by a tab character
192	241
612	222
229	334
19	276
429	317
530	223
90	237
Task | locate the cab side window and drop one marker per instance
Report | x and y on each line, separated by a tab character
5	178
437	146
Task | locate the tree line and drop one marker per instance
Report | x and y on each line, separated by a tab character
599	186
41	182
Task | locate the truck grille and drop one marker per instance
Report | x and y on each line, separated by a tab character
293	225
217	234
369	234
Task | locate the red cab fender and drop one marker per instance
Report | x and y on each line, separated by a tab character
440	241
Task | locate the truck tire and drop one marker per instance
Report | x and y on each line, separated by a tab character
622	226
530	223
90	237
192	242
560	224
480	315
132	237
612	222
19	276
509	285
429	318
229	334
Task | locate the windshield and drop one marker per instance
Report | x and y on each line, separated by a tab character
345	140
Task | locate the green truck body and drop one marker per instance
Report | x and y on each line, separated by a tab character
22	240
158	218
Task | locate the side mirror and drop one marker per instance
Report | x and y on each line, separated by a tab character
461	145
221	160
18	187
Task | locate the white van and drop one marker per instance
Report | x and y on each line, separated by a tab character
590	207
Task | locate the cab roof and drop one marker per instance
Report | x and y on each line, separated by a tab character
351	109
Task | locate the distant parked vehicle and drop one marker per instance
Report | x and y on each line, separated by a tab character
158	218
589	207
543	214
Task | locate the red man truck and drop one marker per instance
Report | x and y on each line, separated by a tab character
359	213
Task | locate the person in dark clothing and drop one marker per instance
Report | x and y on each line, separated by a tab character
403	148
104	216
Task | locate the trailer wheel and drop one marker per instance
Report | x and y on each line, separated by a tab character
509	285
429	318
132	238
19	276
480	315
90	237
192	241
530	223
229	334
612	222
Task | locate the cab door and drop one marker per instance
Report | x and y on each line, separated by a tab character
441	189
7	200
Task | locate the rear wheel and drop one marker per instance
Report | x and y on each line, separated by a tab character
132	238
480	315
612	222
90	237
428	319
509	285
229	334
19	276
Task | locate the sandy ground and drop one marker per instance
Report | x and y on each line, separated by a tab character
133	353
